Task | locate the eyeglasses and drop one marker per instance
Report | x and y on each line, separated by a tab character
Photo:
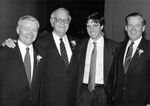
59	20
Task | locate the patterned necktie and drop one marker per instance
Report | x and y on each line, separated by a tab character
91	84
128	57
63	53
27	65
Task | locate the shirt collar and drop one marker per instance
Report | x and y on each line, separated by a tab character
98	41
136	42
58	38
21	45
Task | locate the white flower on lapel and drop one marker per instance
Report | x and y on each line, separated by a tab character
73	42
140	51
38	57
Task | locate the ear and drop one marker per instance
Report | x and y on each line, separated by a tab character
143	28
102	27
17	30
125	28
52	22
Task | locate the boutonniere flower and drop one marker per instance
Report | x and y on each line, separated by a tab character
140	51
73	43
38	57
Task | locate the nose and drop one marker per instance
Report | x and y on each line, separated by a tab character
91	29
30	33
62	22
133	28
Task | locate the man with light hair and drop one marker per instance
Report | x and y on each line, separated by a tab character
22	67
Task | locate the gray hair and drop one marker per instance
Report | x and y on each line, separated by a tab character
29	18
60	9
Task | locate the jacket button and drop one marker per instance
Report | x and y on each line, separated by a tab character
124	88
29	100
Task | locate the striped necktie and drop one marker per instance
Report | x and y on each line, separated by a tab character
63	52
128	57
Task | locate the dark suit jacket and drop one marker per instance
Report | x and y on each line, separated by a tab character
14	86
109	52
133	87
60	81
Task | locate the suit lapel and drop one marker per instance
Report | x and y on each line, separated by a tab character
137	58
121	56
72	49
35	66
69	40
82	57
52	49
107	56
21	63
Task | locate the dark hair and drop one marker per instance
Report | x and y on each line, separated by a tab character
134	14
97	18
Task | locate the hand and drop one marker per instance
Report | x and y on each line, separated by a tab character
9	43
148	105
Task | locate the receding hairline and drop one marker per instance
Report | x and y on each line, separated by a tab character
60	9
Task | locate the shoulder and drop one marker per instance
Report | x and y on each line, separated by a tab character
145	45
112	43
39	51
73	39
6	51
83	42
43	40
146	41
44	36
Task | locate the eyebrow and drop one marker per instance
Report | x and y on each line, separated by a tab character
93	24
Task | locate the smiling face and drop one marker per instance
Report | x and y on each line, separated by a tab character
60	22
27	31
94	29
134	27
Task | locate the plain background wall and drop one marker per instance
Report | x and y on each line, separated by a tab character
79	11
117	10
10	12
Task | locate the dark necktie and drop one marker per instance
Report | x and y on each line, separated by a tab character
128	57
27	65
91	84
63	53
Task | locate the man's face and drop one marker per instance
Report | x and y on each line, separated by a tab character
134	27
94	29
60	23
27	31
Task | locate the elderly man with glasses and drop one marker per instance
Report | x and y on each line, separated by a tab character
61	74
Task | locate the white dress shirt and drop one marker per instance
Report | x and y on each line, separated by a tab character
135	45
66	43
99	78
22	48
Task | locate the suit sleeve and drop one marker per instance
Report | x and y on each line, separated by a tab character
148	80
2	68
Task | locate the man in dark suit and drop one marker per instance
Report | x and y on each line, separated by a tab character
130	72
104	56
61	74
21	72
62	66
